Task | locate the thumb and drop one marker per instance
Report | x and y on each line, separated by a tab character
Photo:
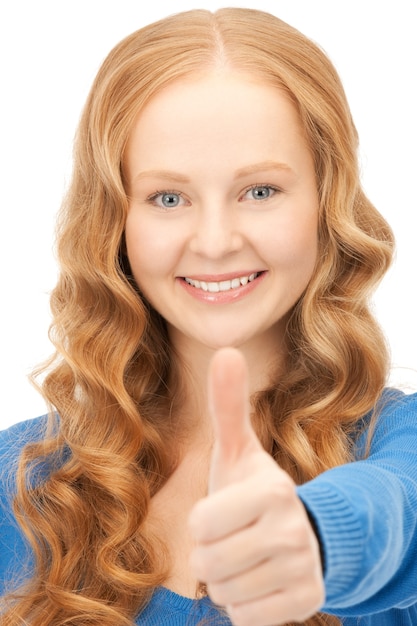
229	403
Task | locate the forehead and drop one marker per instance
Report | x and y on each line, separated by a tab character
214	95
222	112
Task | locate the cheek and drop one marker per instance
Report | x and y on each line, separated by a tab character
303	252
151	250
141	247
294	244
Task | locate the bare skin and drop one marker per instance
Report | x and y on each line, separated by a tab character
255	547
221	236
249	539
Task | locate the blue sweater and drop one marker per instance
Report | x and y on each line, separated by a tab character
365	513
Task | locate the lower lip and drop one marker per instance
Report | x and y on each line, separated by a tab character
222	297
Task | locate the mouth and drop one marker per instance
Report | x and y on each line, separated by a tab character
222	285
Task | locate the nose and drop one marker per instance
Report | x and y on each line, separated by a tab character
216	231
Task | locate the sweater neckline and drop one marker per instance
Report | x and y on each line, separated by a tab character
177	600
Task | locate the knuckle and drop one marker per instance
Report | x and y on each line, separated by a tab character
199	520
280	491
310	601
318	594
217	595
201	566
207	563
301	534
241	616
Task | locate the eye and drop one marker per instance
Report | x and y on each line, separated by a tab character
260	192
166	199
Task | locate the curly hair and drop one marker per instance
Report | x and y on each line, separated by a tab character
112	380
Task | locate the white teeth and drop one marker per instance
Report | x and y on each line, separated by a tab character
224	285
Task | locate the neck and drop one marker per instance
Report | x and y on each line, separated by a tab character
192	363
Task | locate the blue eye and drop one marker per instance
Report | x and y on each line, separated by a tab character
260	192
170	200
166	199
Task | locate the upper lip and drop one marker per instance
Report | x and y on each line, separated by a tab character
216	278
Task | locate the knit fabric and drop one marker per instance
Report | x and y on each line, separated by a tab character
365	514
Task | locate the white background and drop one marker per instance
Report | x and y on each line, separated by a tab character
50	52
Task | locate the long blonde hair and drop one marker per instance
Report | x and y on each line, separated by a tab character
108	381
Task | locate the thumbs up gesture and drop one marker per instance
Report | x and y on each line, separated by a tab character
255	547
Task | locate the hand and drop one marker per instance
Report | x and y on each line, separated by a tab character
255	547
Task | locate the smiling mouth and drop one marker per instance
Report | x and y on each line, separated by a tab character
223	285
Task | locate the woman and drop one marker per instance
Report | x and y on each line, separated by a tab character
215	205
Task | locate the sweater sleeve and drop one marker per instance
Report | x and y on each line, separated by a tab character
365	513
15	555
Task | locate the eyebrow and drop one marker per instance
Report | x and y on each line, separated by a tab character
167	174
240	173
261	167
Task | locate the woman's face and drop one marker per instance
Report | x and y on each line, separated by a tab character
221	232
